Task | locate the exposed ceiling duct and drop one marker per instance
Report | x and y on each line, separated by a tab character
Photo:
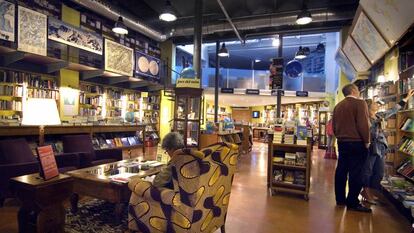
267	21
230	21
111	13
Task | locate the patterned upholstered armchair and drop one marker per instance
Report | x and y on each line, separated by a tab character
198	203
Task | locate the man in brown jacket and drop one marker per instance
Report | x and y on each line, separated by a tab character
351	128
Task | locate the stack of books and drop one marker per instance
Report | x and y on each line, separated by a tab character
407	145
300	159
290	132
278	134
290	159
279	157
289	139
299	178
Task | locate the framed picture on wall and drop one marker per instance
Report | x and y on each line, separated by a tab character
392	18
32	31
355	56
7	16
368	38
118	58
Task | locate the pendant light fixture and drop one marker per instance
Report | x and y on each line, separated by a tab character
320	48
120	27
300	54
304	17
168	13
223	52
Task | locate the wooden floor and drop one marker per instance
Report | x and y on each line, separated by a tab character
252	209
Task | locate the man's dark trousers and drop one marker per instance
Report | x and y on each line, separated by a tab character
352	157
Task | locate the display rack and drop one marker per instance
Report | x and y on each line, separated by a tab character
113	102
151	116
91	100
290	167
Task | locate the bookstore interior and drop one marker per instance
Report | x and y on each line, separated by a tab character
144	116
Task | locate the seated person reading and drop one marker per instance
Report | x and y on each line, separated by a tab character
172	141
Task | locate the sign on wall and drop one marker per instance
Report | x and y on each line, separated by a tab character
227	90
252	92
32	31
76	37
118	58
147	65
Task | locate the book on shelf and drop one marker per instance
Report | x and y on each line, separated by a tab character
408	125
300	159
288	177
278	175
289	138
290	159
125	142
299	177
110	143
407	145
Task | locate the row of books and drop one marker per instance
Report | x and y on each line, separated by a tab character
16	91
296	159
407	169
113	113
101	143
8	76
92	89
40	93
289	176
10	105
132	97
89	112
32	80
95	100
38	82
408	125
115	103
113	94
407	145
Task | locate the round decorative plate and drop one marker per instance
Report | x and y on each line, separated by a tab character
293	69
143	64
153	67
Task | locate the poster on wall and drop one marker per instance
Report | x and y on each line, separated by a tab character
355	56
76	37
368	38
7	15
32	31
147	66
69	105
345	65
392	17
118	58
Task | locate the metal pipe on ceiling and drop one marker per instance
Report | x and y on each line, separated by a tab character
230	21
113	14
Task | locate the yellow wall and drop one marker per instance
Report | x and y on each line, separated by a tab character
391	65
69	90
71	16
166	115
343	80
261	119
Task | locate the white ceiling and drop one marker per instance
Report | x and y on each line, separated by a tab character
241	100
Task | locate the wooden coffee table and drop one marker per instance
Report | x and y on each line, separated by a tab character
96	182
42	202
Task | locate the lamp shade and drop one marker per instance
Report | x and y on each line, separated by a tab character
304	17
300	54
120	27
223	52
40	112
168	13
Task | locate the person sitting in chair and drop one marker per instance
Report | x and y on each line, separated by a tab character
172	141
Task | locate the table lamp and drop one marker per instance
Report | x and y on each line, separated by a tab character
40	112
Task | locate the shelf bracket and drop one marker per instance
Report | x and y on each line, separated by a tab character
8	58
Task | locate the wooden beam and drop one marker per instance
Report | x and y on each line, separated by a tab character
56	66
9	58
84	75
138	84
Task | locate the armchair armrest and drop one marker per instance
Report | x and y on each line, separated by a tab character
149	192
113	153
18	169
68	160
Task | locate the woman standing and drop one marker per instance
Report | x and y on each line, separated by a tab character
374	166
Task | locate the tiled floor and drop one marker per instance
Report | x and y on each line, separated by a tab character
252	209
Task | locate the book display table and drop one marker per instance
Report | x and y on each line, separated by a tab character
42	209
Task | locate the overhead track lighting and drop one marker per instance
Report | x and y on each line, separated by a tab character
168	13
300	54
223	52
304	17
120	27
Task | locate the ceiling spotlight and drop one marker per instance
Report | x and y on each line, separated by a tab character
304	17
120	27
223	52
257	60
300	54
320	48
168	13
276	42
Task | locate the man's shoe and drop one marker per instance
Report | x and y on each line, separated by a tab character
338	203
359	208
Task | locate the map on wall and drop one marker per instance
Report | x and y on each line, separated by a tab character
147	65
368	38
392	17
118	58
355	55
7	15
345	65
32	31
76	37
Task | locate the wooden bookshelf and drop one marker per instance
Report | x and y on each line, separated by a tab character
294	169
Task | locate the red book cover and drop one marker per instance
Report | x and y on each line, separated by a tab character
48	164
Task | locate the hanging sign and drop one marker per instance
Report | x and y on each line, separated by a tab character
275	91
302	93
227	90
276	73
188	82
252	92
